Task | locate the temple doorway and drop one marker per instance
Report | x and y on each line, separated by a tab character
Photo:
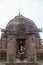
20	42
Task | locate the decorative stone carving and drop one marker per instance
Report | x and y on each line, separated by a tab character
11	48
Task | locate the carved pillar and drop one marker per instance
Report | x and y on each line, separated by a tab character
31	48
11	48
27	46
14	49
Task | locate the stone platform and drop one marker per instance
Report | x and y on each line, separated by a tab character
22	64
25	62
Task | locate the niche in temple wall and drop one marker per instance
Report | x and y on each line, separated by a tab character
32	40
10	38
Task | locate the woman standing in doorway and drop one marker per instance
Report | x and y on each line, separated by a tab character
22	53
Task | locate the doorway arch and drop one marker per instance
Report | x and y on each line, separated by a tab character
20	42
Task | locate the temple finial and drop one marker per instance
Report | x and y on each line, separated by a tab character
19	12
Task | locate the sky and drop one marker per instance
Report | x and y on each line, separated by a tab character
32	9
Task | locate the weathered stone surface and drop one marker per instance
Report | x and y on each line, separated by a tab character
22	64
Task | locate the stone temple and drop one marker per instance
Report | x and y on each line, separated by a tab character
20	31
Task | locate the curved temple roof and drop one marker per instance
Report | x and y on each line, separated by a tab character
22	24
